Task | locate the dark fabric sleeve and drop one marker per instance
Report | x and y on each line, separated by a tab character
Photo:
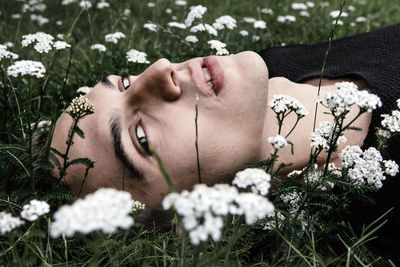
374	57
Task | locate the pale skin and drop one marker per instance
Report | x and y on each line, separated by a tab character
233	126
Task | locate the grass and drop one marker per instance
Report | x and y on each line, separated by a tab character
27	100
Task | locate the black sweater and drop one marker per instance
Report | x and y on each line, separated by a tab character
374	57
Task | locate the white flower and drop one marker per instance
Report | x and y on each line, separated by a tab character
255	38
67	2
81	106
99	47
134	55
366	167
43	41
203	209
340	101
335	13
304	13
151	4
361	19
219	46
101	5
283	103
137	206
105	210
204	27
384	133
168	11
249	19
391	122
84	90
391	168
180	2
258	180
272	223
310	4
195	12
27	67
267	11
59	45
299	6
8	222
150	26
294	173
288	18
39	19
85	4
321	137
34	210
313	176
191	39
260	24
114	37
9	44
244	33
351	8
16	16
4	53
292	199
177	25
225	22
278	141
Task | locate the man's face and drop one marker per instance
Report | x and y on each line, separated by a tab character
157	111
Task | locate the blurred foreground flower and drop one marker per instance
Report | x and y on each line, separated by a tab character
106	210
34	210
204	208
27	67
8	222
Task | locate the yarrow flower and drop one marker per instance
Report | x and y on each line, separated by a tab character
114	37
321	137
335	13
299	6
80	106
278	141
177	25
223	22
4	53
134	55
291	199
366	167
203	209
34	210
99	47
191	39
150	26
219	46
8	222
105	210
43	41
391	123
287	18
258	180
313	176
260	24
59	45
204	27
283	103
27	67
195	12
347	94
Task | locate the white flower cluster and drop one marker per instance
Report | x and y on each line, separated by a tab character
106	210
85	4
292	199
257	179
313	176
8	222
204	27
43	42
102	4
137	206
287	18
81	106
114	37
150	26
219	46
99	47
177	25
195	12
390	123
367	167
335	13
347	94
34	210
321	138
260	24
278	141
4	53
191	39
223	22
271	222
26	67
283	103
203	209
134	55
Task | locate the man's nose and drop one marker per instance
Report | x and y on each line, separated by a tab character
158	81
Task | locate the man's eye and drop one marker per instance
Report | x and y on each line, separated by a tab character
142	139
125	81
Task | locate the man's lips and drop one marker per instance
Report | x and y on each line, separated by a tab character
217	75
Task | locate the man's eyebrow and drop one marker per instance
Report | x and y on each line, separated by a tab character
115	125
107	82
